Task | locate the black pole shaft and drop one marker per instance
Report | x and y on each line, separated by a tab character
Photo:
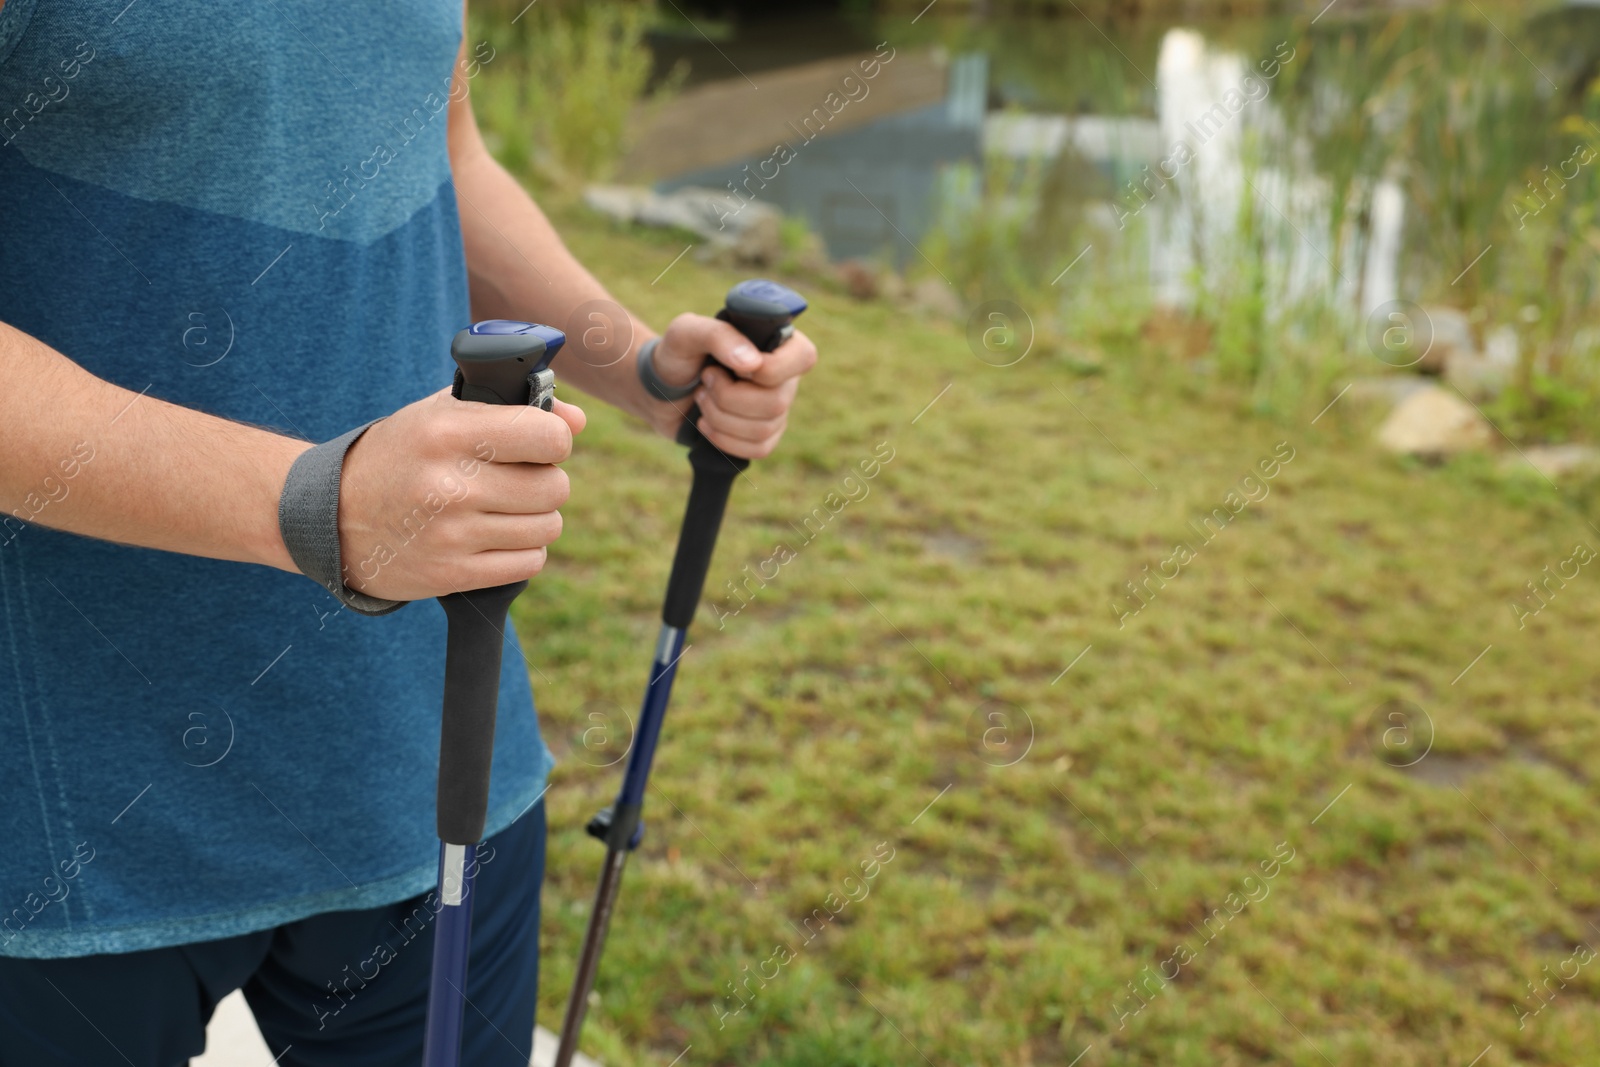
594	940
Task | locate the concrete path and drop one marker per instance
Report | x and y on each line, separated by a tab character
232	1040
727	120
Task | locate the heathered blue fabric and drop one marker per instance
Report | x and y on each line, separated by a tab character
192	749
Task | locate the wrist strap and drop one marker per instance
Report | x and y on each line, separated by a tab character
652	381
308	518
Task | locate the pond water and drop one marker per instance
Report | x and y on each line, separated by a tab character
1295	166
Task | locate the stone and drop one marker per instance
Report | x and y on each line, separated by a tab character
1434	423
749	230
933	296
1452	339
859	279
1177	333
1385	391
760	241
1485	374
1555	461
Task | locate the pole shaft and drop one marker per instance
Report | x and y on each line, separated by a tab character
763	312
452	944
594	940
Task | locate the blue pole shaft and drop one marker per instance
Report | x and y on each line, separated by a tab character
626	830
452	943
652	712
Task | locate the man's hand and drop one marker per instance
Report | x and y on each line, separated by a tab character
444	496
745	399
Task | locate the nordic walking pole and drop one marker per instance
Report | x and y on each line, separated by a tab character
499	362
764	312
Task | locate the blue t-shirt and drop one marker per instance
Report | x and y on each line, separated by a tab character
244	209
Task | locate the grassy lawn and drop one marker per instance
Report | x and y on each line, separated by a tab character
1190	849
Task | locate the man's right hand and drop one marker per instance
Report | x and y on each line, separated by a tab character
445	496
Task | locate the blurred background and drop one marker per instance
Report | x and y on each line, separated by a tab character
1164	634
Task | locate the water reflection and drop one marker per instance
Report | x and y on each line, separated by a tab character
1284	183
872	187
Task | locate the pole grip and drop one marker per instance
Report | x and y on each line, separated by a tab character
697	539
498	361
503	361
477	620
764	312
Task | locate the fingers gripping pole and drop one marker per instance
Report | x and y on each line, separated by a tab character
498	362
763	312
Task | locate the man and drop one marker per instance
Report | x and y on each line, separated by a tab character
225	234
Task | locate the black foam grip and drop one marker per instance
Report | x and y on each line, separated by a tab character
697	540
714	473
471	694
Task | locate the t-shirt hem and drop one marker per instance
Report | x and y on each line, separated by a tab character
188	930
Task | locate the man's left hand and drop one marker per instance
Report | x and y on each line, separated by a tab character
745	395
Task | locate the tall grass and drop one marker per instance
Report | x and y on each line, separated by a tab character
557	101
1474	130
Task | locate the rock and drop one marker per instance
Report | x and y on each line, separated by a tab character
933	296
1477	376
748	229
1434	422
760	242
1502	348
1486	374
1386	391
859	279
1555	461
1452	339
1177	333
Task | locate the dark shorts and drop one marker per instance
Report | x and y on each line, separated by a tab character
342	989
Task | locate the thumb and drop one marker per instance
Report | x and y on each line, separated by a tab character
571	414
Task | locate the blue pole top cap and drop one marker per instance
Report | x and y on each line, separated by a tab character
529	343
758	296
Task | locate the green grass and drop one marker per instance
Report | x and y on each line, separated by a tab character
1164	769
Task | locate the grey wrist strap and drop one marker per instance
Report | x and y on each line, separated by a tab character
308	517
652	381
